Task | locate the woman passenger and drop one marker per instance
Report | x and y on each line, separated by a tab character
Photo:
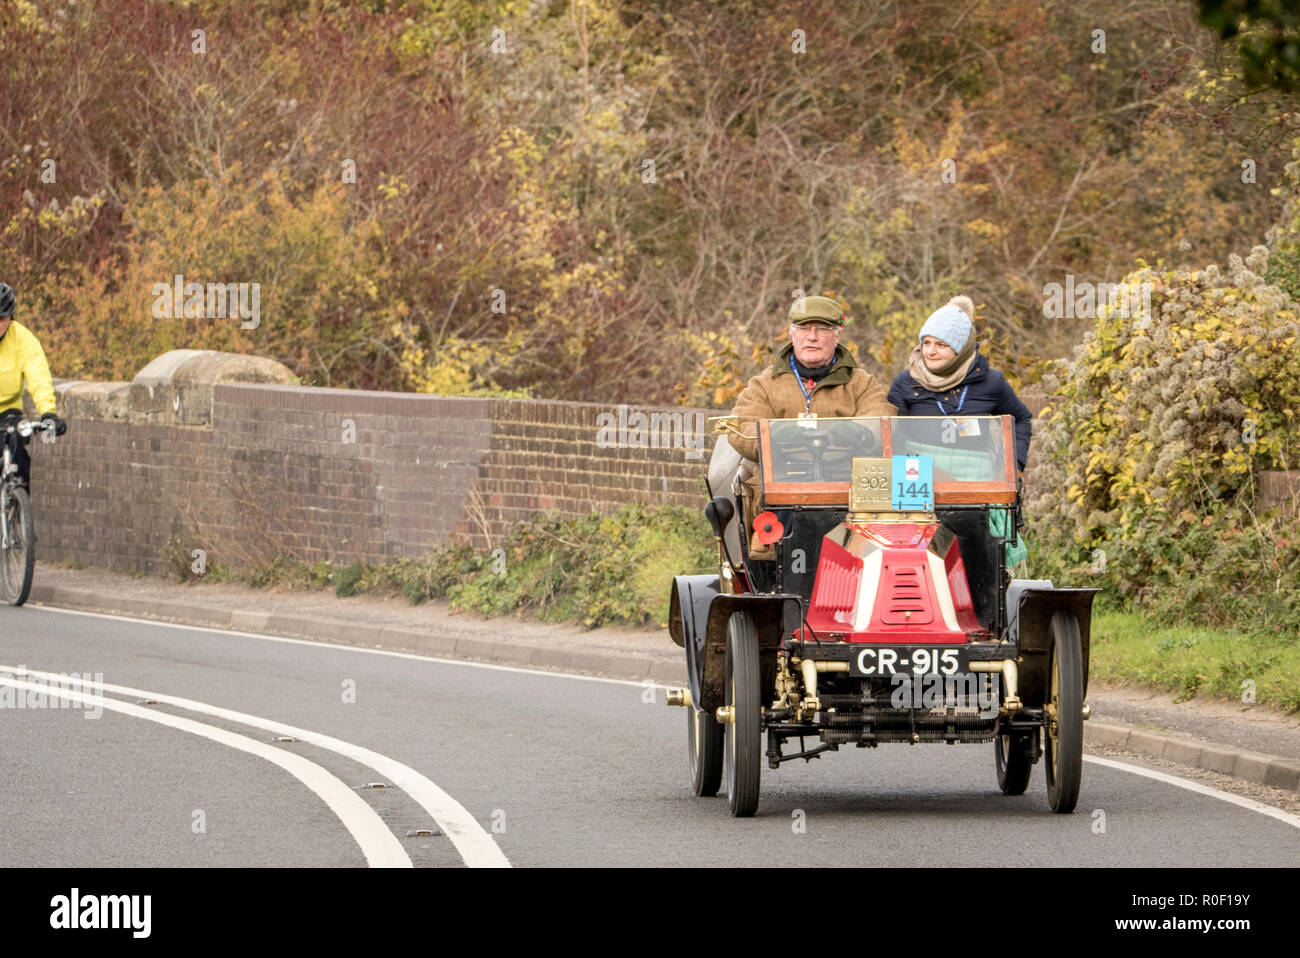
947	376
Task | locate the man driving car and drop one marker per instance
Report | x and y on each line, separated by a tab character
813	375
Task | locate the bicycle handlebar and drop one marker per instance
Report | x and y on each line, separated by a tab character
25	427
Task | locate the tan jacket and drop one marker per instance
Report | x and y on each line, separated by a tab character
775	394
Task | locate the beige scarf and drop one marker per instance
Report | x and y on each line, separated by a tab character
947	377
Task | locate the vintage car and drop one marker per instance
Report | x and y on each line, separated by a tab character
865	599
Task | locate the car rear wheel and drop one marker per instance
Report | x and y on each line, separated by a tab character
1011	755
1064	739
744	732
704	740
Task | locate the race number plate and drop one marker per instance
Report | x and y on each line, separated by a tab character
912	484
908	660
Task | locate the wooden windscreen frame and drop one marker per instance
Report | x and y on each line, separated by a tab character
946	493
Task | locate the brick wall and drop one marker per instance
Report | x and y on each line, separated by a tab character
250	471
544	455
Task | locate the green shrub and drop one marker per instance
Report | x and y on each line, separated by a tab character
594	569
347	580
1144	479
597	570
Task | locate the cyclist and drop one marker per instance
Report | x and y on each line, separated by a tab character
23	365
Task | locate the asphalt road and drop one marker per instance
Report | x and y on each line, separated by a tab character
502	765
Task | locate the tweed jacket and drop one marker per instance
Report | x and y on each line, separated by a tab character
847	390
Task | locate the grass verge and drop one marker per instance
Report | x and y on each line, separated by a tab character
1231	665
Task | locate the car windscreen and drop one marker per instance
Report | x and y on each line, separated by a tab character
964	448
820	450
811	460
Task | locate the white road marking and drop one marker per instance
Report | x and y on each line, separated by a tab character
377	841
1191	786
476	846
1135	769
337	647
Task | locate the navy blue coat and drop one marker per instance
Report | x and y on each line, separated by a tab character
989	394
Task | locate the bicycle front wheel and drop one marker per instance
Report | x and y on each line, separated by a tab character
19	560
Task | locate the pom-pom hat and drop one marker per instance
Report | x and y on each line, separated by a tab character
949	324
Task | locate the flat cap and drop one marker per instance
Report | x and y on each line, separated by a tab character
821	309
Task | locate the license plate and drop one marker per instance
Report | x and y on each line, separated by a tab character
908	660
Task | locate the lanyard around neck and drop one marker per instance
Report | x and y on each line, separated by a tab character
799	379
961	401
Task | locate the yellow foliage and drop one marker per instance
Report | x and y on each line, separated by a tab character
315	271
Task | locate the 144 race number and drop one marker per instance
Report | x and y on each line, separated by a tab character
912	483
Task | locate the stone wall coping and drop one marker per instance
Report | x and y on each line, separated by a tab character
162	369
469	401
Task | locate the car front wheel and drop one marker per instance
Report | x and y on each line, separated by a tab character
1011	756
744	731
1064	738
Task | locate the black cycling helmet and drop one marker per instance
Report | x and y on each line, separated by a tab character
7	300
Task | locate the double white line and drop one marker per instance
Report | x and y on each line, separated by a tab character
378	843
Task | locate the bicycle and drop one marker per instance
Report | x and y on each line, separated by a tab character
17	528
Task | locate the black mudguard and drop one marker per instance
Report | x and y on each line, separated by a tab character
1031	603
692	593
688	617
697	621
774	614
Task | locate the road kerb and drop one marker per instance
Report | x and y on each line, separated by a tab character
1252	766
250	621
1183	750
1148	743
1283	774
1104	733
437	644
1216	759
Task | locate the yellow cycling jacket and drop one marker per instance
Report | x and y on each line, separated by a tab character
22	364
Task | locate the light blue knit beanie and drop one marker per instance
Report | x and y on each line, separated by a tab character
948	324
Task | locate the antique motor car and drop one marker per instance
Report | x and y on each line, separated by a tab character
864	598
